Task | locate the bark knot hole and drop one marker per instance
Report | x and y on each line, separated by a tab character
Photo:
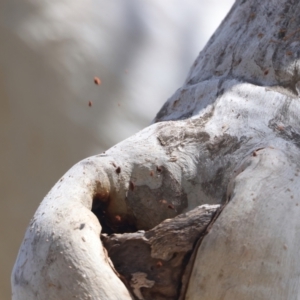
111	222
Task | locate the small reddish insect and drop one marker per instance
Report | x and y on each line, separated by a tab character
159	264
118	218
97	80
90	103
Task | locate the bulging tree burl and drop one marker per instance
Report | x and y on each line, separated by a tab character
205	202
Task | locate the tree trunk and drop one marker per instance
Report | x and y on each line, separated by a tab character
229	137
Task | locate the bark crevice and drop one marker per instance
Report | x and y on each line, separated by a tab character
152	263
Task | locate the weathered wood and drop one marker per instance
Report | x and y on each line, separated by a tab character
152	263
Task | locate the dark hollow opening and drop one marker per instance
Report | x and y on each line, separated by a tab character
111	223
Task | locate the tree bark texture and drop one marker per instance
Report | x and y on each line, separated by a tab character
156	260
230	137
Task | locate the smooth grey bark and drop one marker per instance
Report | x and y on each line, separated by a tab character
229	137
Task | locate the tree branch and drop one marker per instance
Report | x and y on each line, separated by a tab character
231	133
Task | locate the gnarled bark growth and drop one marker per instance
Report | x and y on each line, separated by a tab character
152	263
229	135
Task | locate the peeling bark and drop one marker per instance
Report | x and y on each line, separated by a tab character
229	135
152	263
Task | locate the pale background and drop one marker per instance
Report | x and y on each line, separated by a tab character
50	52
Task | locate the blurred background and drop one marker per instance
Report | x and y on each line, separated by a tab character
50	52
